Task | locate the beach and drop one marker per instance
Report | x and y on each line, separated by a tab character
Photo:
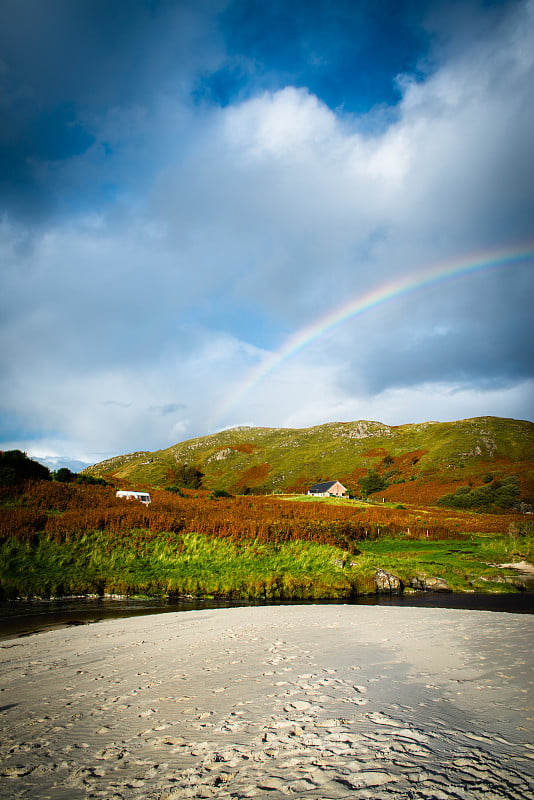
315	701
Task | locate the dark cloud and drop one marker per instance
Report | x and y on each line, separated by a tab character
473	332
64	66
467	355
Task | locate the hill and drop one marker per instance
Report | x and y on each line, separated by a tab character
420	462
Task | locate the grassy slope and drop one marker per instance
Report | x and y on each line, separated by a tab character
430	457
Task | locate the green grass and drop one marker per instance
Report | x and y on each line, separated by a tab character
464	564
170	564
331	501
337	501
145	563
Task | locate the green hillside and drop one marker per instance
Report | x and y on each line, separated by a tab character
420	462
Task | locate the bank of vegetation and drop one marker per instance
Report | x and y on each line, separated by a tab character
59	538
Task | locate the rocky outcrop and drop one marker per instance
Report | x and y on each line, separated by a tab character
220	455
525	575
387	583
430	583
364	430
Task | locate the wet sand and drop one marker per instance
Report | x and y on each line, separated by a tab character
318	702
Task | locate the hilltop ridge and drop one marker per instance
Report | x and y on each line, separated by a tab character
420	461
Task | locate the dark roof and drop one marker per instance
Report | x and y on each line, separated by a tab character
322	487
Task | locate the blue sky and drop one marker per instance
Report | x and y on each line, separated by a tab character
184	186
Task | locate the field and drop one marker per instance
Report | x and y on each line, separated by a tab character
58	539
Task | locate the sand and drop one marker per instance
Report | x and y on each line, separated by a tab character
272	702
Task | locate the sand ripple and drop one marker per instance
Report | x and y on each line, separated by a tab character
319	702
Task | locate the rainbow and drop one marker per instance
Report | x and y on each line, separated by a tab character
375	298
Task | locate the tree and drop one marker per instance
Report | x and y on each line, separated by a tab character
188	476
64	475
372	482
16	467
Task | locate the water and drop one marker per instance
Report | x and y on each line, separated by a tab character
25	617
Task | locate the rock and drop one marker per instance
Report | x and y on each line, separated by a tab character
386	583
430	583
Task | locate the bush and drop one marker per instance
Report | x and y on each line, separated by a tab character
175	490
501	494
89	480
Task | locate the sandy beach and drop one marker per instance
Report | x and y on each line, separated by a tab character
300	701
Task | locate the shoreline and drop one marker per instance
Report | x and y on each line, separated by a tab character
318	701
29	617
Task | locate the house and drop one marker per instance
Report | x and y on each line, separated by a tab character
328	489
143	497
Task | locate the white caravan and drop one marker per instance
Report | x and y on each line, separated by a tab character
143	497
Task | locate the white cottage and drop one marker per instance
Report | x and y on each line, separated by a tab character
328	489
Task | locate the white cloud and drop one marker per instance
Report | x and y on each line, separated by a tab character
287	124
435	401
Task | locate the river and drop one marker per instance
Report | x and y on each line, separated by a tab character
25	617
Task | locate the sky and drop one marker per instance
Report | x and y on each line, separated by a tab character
230	212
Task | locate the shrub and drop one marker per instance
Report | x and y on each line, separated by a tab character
501	494
90	480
